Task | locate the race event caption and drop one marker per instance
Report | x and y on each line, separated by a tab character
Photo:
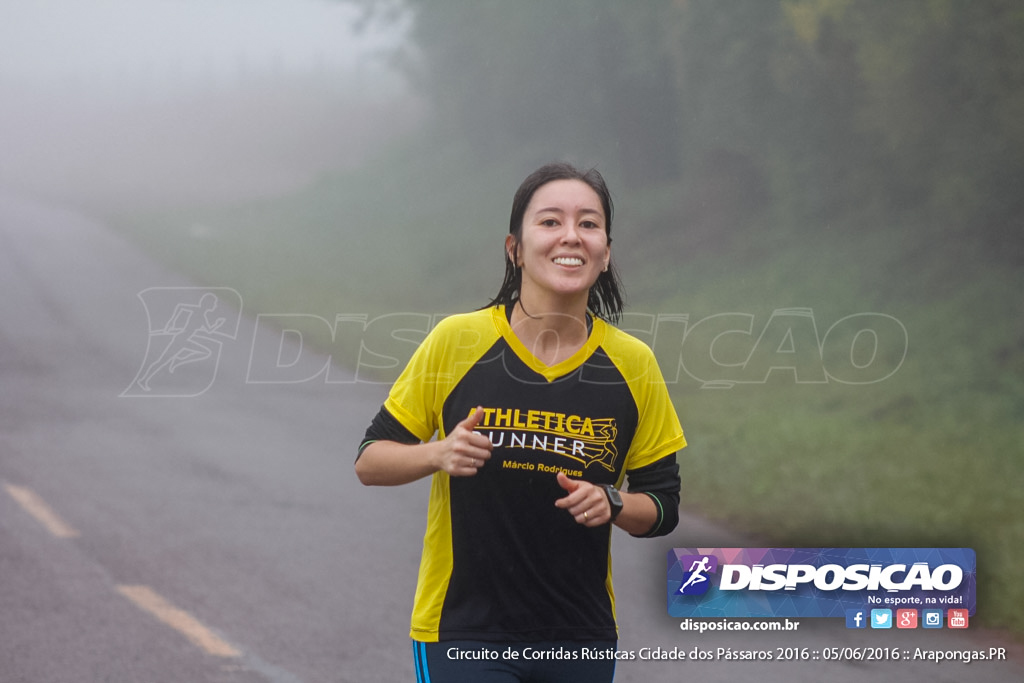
730	654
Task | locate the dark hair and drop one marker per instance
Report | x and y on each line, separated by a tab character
605	299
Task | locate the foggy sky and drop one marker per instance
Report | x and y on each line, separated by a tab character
43	40
114	104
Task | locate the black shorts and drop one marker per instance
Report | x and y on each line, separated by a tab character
458	661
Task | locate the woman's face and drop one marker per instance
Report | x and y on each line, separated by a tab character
564	243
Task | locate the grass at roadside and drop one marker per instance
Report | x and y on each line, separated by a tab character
930	455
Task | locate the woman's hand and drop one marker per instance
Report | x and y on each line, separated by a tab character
464	451
587	503
460	454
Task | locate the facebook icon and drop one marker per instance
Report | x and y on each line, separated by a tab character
856	618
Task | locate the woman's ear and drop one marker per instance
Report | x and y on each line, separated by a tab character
512	250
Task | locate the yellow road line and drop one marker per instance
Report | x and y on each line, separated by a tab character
35	506
183	622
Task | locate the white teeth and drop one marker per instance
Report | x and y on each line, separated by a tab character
566	261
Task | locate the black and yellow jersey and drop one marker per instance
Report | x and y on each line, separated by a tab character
500	561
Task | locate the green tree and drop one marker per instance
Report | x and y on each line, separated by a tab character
940	88
818	109
572	78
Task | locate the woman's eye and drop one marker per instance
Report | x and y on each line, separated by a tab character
549	222
589	224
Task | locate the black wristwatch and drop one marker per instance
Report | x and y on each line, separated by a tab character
614	499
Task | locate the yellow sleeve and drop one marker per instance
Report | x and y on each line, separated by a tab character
658	431
445	356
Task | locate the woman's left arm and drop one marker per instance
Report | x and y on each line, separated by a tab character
639	513
650	508
643	513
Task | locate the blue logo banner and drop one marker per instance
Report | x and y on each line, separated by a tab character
818	582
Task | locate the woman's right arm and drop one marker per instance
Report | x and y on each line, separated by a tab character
389	463
460	454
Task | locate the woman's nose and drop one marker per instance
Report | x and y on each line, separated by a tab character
571	234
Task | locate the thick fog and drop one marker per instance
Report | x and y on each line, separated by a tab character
126	104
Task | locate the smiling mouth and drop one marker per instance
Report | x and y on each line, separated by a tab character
568	261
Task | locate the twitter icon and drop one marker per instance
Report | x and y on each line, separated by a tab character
881	618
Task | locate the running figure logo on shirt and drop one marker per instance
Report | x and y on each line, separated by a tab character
584	439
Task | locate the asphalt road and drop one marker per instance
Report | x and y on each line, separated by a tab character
199	526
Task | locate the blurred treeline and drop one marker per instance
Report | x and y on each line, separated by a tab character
806	109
